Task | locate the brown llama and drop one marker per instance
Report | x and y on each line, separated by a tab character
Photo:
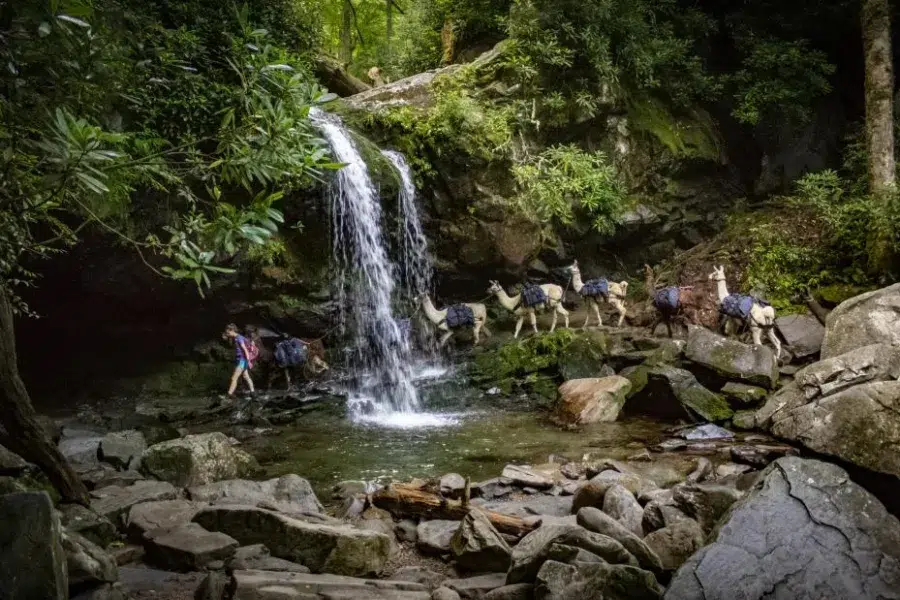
685	304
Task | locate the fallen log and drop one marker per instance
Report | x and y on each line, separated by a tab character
407	501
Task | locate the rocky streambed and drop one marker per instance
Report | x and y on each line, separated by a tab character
697	468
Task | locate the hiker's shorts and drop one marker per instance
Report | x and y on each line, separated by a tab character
242	364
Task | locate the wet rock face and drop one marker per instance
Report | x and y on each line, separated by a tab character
805	531
32	561
802	333
863	320
478	547
196	460
731	359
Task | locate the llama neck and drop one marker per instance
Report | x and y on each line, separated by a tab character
722	289
577	284
509	303
434	315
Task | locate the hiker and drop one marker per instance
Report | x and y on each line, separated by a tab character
294	353
244	357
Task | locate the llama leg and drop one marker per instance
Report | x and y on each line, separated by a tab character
655	324
588	304
519	325
533	319
484	328
669	327
770	331
445	337
561	310
596	307
476	332
756	333
620	306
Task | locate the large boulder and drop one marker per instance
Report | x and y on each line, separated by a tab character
876	362
534	549
585	356
695	400
187	548
597	521
622	506
675	543
525	476
705	502
594	581
257	557
269	585
433	537
731	359
595	400
32	561
803	333
114	502
804	531
477	546
860	425
196	460
147	517
87	564
11	464
341	550
86	522
289	494
866	319
122	449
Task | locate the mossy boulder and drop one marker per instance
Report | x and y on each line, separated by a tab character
741	395
197	460
520	358
867	319
585	356
731	359
593	400
669	392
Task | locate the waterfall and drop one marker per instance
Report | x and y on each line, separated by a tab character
380	356
415	266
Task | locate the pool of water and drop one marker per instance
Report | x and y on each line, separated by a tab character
461	430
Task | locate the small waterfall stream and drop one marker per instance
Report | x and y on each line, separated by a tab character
380	356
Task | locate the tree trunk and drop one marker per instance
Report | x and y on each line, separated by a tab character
346	51
448	42
876	32
25	435
336	79
389	8
407	501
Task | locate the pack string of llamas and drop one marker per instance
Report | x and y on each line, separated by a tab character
672	304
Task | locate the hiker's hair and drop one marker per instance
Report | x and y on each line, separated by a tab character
232	327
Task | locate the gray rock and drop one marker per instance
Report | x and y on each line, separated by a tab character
803	333
121	448
525	476
452	485
264	585
533	549
492	489
434	536
860	425
659	514
289	494
105	475
478	547
213	587
709	431
552	506
591	400
696	400
701	472
32	561
114	502
706	503
570	554
11	464
731	470
86	522
519	591
805	531
188	547
148	517
406	531
87	564
759	455
594	581
341	550
475	588
744	420
346	489
107	591
444	593
863	320
81	451
621	505
425	577
257	557
127	554
732	359
876	362
197	460
663	496
741	395
675	543
597	521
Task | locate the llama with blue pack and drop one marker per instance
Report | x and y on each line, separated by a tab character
599	290
740	309
531	299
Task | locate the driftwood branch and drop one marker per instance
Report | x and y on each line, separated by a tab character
406	501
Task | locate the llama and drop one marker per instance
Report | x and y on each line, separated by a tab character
759	316
439	318
671	303
615	295
552	292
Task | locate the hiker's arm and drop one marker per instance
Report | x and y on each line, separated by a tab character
245	351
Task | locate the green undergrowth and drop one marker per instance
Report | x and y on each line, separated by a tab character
522	360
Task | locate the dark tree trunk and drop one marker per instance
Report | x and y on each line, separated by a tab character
336	79
24	433
876	31
346	51
389	8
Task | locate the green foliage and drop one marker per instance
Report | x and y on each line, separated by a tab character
693	135
563	180
778	77
519	358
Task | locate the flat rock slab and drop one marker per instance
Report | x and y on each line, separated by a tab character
196	460
552	506
732	359
525	476
265	585
147	517
341	550
473	588
188	547
32	561
803	333
433	537
114	502
806	532
709	431
86	522
289	494
121	448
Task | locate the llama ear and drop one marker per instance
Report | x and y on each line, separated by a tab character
624	284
